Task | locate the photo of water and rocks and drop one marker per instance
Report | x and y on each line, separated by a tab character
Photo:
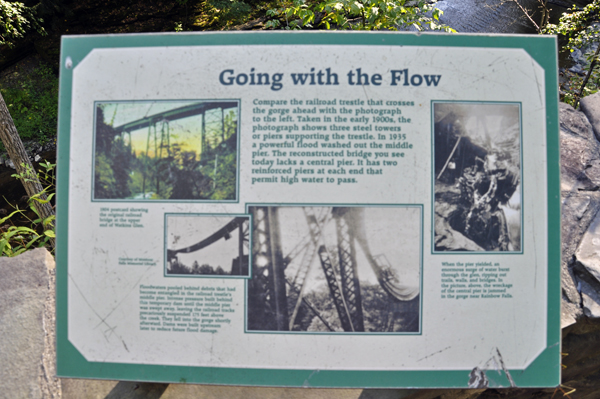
477	156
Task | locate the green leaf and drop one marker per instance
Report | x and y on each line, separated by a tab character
18	250
34	210
41	201
30	243
48	220
23	229
11	215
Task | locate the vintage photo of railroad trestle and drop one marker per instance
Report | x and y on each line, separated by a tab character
207	245
335	269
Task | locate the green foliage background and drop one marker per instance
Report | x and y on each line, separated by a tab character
356	15
579	29
15	20
33	104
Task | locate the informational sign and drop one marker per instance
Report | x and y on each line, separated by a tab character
309	209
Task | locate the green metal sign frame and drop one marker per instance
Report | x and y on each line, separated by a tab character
543	372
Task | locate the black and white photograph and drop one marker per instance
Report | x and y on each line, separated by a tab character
207	245
166	150
477	156
335	269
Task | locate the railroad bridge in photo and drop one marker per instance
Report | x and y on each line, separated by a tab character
277	293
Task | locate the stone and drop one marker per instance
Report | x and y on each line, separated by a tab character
588	253
86	389
580	273
96	389
580	178
569	313
579	151
591	300
26	326
590	106
582	206
578	211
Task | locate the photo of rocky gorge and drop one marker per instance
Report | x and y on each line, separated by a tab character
477	156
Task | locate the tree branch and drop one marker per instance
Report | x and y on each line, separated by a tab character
537	27
587	77
16	151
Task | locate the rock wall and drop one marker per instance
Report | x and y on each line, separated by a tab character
27	352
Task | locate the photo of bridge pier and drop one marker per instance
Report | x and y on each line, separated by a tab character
207	245
477	155
166	150
335	269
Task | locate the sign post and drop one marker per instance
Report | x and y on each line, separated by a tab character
309	209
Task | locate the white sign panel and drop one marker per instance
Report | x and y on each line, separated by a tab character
239	205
